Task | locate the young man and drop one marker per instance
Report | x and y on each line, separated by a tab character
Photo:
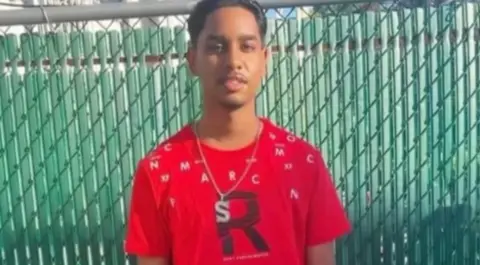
232	188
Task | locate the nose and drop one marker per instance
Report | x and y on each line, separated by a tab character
234	58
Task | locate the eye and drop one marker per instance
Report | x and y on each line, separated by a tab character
215	47
248	47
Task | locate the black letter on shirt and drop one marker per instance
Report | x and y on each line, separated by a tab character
245	223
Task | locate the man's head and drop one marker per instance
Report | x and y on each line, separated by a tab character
227	50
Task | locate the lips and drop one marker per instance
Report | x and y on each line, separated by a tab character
234	82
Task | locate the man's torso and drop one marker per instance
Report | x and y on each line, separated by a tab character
261	221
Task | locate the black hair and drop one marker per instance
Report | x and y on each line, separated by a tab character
203	8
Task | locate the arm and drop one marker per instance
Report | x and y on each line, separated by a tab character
327	220
152	261
322	254
147	230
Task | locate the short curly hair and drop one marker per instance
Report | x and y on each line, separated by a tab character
202	9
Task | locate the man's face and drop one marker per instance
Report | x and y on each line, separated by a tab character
229	58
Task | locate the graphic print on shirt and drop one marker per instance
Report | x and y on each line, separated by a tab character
229	221
245	223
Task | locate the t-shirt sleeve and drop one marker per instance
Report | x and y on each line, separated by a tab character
147	231
327	219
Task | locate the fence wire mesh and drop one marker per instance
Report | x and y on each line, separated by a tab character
391	95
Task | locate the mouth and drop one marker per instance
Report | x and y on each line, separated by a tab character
233	83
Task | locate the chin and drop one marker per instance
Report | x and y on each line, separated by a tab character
232	103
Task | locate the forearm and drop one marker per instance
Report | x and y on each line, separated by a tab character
323	254
152	261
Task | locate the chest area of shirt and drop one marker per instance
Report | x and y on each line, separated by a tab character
240	186
246	200
219	177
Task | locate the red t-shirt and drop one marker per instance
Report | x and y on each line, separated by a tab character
286	203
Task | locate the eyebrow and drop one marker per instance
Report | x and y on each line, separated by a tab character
243	37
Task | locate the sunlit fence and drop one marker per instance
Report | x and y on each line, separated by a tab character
391	95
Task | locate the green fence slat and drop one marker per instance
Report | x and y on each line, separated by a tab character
31	151
4	210
9	231
306	33
107	149
68	176
118	176
79	131
124	160
296	85
19	185
156	94
187	104
88	104
57	145
168	85
145	81
132	93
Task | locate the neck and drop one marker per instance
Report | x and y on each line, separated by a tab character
228	130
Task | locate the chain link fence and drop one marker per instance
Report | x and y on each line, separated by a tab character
390	94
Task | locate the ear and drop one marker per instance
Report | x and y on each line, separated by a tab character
266	55
191	60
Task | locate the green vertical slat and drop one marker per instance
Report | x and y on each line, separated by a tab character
321	95
461	150
9	225
186	99
473	120
156	121
119	184
420	136
309	87
132	93
296	89
67	44
344	182
434	91
90	147
404	118
371	138
334	98
321	98
384	53
59	146
72	171
397	245
131	153
356	192
463	73
168	85
31	121
145	129
4	207
281	90
395	206
97	167
43	187
19	184
69	142
269	84
108	150
445	134
79	96
475	166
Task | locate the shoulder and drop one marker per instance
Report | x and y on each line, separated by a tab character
158	161
298	157
294	145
